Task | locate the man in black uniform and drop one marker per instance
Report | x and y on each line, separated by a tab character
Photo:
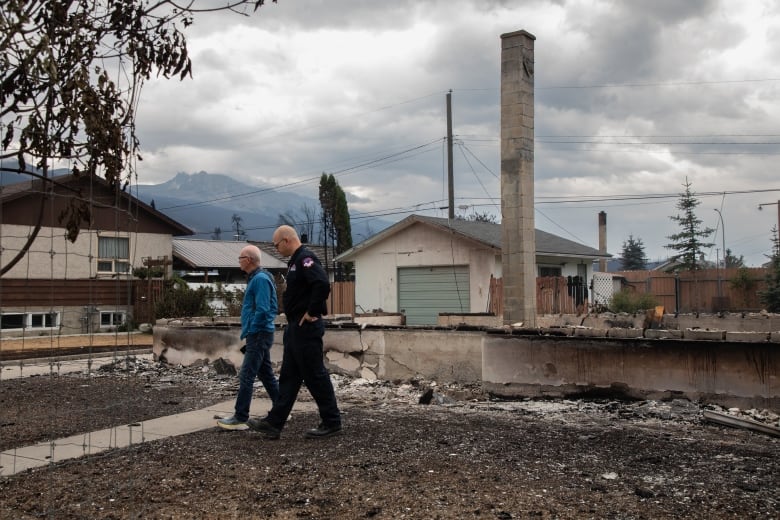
304	302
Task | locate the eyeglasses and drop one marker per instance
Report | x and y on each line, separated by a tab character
276	244
242	257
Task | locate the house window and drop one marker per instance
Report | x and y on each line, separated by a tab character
112	319
43	320
29	320
113	255
12	321
549	271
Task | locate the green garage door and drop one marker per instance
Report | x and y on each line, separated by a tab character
424	292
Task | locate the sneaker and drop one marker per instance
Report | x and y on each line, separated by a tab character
267	429
231	423
323	432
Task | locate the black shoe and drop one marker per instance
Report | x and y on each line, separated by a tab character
263	426
323	432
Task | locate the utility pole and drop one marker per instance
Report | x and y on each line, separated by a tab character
450	176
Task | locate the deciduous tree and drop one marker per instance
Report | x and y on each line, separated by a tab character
304	222
477	216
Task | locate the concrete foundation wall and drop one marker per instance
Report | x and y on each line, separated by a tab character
572	362
734	322
739	374
474	320
371	353
395	319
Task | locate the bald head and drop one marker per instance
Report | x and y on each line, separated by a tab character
286	240
249	258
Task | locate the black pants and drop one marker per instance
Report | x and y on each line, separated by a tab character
302	363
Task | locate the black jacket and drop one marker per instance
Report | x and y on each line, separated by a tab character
307	286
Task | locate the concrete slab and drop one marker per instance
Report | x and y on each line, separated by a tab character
63	365
20	459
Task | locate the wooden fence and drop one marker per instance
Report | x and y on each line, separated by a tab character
146	294
703	291
342	298
554	295
710	290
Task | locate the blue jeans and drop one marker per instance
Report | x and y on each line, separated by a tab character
302	363
257	363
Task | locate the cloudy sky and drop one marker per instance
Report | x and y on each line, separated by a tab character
631	99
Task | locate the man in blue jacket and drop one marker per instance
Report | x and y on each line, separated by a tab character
305	301
258	313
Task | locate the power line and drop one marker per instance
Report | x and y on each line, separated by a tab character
655	84
386	159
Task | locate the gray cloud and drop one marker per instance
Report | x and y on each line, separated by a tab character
631	97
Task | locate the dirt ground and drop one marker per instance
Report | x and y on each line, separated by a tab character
464	455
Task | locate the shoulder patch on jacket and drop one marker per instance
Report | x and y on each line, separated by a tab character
308	262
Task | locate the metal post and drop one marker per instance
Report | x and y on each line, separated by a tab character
450	175
725	256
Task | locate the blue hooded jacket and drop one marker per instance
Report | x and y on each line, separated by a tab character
260	307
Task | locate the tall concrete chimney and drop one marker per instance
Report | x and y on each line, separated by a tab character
602	241
518	245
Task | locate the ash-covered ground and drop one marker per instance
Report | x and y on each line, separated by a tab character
463	455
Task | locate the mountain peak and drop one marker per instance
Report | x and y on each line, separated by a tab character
205	201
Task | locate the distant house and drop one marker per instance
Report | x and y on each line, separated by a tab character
81	286
423	266
326	258
210	261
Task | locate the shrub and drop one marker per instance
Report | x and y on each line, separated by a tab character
179	301
631	301
145	272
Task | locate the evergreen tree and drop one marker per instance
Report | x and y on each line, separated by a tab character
341	223
336	227
633	256
732	261
337	230
688	242
770	297
327	207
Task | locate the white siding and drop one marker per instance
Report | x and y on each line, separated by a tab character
376	284
53	256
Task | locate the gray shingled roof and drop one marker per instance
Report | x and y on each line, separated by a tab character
200	253
489	234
